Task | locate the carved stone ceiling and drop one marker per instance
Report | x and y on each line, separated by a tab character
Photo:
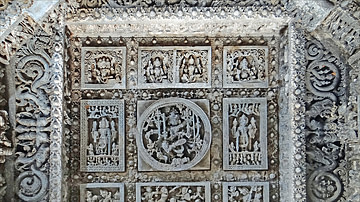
179	100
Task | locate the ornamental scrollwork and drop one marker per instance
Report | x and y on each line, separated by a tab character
324	81
33	119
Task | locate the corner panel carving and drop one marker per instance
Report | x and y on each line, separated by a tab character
112	192
246	191
245	67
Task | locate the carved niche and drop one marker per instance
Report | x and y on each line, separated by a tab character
245	66
245	133
173	191
246	191
175	134
102	136
102	192
103	67
174	67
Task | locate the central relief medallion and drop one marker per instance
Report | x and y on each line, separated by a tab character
175	134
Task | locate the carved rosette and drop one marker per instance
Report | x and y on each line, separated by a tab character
174	135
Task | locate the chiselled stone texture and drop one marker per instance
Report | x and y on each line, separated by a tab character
245	134
175	134
112	192
102	136
245	191
173	191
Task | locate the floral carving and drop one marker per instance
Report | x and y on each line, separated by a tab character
175	134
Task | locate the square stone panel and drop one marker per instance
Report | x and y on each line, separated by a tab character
245	191
174	135
173	191
174	67
245	67
103	67
113	192
245	134
102	132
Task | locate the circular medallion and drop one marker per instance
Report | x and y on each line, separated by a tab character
175	134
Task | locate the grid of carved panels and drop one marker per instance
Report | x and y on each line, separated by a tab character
181	119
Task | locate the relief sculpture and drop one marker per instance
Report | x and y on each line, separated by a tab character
102	192
245	67
102	135
175	134
245	133
103	67
246	191
175	67
176	191
193	66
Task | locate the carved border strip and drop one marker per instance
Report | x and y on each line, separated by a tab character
297	111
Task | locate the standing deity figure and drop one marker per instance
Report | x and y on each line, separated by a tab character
252	129
94	132
104	133
243	138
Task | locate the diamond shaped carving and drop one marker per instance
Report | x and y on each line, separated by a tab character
102	136
245	134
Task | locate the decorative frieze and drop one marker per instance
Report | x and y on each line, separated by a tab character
245	191
102	192
245	133
174	67
103	68
175	134
173	191
245	67
102	136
